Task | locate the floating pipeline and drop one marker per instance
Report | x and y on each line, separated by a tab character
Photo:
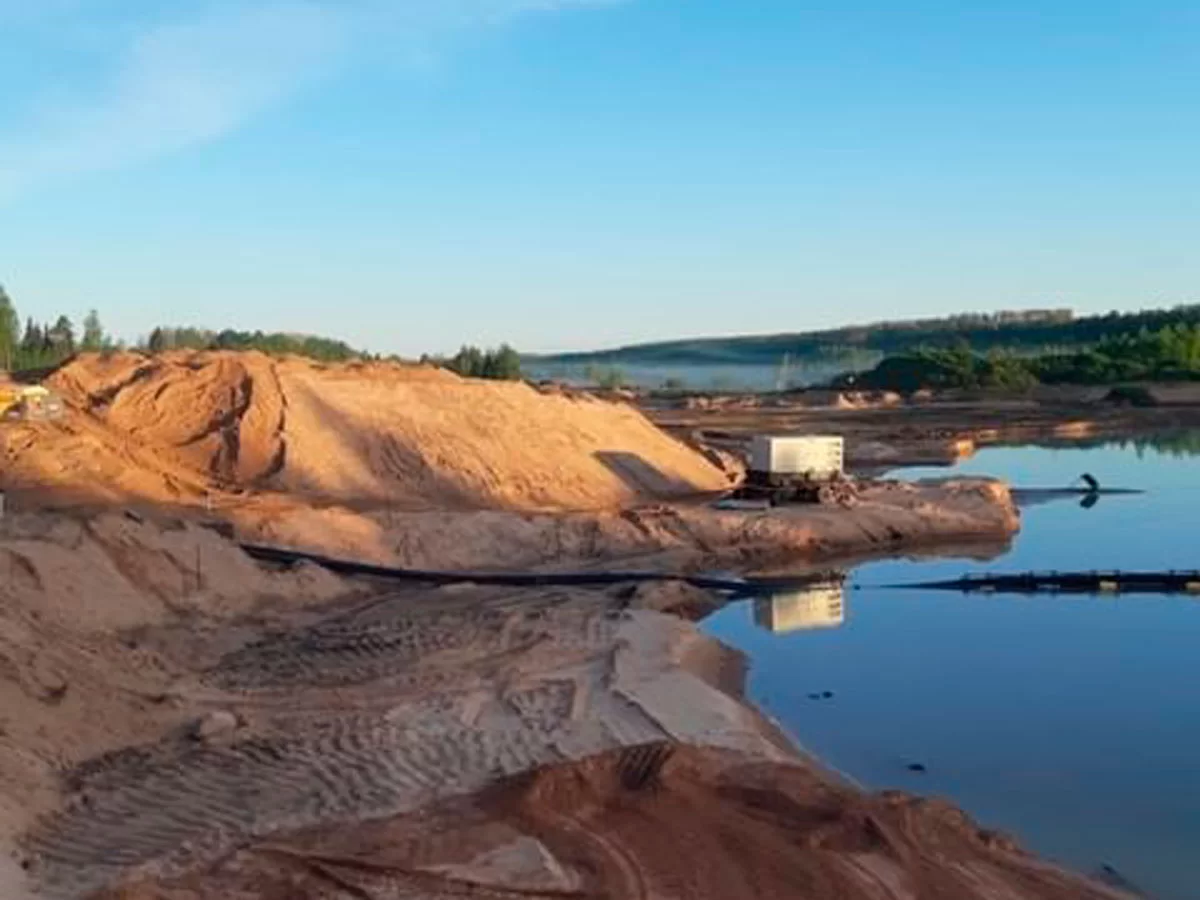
750	586
1087	497
1096	583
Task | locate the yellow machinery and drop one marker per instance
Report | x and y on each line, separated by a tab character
29	402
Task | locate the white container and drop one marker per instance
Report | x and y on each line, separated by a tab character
808	610
820	457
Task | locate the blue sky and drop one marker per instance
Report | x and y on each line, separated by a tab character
413	174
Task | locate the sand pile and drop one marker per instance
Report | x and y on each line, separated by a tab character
415	466
660	821
178	427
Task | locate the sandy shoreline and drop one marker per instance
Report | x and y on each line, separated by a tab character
182	742
180	722
884	431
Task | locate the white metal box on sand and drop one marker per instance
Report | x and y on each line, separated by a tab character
814	456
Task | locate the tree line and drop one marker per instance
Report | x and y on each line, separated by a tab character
1024	331
1169	353
37	345
322	349
502	363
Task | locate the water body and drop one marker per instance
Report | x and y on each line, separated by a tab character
1071	722
706	377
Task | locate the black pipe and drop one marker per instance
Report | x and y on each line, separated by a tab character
1185	582
766	585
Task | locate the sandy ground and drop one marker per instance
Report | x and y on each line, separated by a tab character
177	722
656	821
415	466
172	723
886	517
276	735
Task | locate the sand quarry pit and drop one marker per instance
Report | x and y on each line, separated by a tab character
178	722
281	735
415	466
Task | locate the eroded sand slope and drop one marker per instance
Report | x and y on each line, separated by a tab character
178	427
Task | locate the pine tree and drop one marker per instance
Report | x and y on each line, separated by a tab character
10	324
61	338
157	342
93	333
31	342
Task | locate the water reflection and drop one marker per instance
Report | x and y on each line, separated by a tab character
1037	496
1179	444
816	607
1071	723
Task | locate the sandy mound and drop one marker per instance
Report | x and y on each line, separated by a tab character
657	820
184	427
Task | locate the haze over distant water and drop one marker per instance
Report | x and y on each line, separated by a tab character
759	362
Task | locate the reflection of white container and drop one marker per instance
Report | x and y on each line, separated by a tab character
817	456
806	610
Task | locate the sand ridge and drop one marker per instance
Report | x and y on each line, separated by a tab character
186	427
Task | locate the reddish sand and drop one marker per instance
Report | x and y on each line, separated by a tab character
655	821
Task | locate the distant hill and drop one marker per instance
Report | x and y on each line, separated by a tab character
1025	331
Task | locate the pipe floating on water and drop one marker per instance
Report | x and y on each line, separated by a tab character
733	583
1086	486
1075	492
1086	496
1187	582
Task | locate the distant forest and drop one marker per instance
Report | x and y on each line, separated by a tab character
274	343
1030	332
1169	353
42	345
36	345
39	345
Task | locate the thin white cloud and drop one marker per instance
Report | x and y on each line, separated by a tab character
173	83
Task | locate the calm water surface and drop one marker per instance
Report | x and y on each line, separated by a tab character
1071	722
707	377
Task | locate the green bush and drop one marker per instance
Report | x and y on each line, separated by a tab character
500	364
